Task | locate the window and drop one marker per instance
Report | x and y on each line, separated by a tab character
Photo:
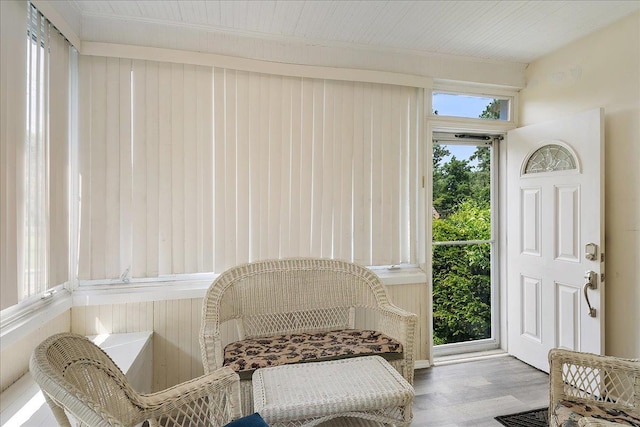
35	207
206	168
550	158
464	306
470	106
36	162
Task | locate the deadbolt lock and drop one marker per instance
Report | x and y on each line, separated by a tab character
591	251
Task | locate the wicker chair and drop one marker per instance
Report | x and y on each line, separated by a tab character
77	377
606	384
299	295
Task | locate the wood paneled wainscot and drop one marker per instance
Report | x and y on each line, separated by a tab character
176	323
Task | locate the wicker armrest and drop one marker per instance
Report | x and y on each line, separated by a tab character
584	378
400	325
217	392
396	323
211	349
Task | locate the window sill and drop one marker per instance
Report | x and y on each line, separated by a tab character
402	276
120	293
33	317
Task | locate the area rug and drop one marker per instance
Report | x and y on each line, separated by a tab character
534	418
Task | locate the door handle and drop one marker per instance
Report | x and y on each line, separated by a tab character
591	283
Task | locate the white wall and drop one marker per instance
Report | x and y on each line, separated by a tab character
603	70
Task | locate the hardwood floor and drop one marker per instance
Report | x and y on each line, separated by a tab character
473	393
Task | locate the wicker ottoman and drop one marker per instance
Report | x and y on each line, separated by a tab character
310	394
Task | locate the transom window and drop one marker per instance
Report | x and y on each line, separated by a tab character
470	106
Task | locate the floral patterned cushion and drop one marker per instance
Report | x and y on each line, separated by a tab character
593	422
247	355
568	414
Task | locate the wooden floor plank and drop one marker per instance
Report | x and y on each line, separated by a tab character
471	394
468	394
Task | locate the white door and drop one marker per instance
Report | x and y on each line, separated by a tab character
555	234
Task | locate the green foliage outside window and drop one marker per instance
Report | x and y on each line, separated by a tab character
462	276
491	111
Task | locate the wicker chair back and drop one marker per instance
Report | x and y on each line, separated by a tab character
77	377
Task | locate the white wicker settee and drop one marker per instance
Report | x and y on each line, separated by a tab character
592	390
301	310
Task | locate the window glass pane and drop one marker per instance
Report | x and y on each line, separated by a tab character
36	164
462	247
461	293
550	158
461	192
456	105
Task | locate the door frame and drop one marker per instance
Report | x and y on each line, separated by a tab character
499	310
440	123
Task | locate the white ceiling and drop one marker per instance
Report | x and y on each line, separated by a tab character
507	31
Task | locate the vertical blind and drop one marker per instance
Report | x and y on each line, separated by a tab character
145	169
188	169
35	178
